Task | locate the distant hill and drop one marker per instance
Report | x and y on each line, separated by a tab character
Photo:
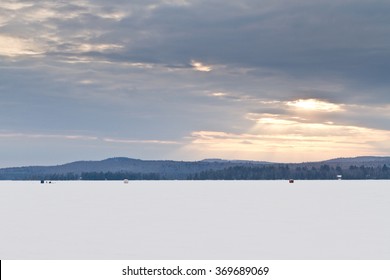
137	169
166	169
358	161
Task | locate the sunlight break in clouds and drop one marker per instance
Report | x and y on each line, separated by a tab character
13	46
273	137
219	94
314	105
198	66
14	6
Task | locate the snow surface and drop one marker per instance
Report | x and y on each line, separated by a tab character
195	220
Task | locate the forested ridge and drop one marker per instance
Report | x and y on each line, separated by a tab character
278	172
131	169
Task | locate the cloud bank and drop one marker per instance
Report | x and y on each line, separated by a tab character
262	80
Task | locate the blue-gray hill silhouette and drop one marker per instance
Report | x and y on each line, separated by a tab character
137	169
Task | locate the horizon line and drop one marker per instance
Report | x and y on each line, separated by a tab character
205	159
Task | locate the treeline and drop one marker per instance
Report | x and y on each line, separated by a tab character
119	176
263	172
279	172
94	176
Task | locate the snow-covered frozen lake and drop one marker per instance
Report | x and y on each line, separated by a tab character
195	220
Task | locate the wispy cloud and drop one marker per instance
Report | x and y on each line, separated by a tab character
47	136
132	141
84	138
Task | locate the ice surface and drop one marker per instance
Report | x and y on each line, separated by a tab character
195	220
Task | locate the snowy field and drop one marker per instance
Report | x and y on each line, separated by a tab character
195	220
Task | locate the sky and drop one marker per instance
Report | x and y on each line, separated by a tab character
273	80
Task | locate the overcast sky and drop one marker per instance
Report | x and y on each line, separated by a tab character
270	80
